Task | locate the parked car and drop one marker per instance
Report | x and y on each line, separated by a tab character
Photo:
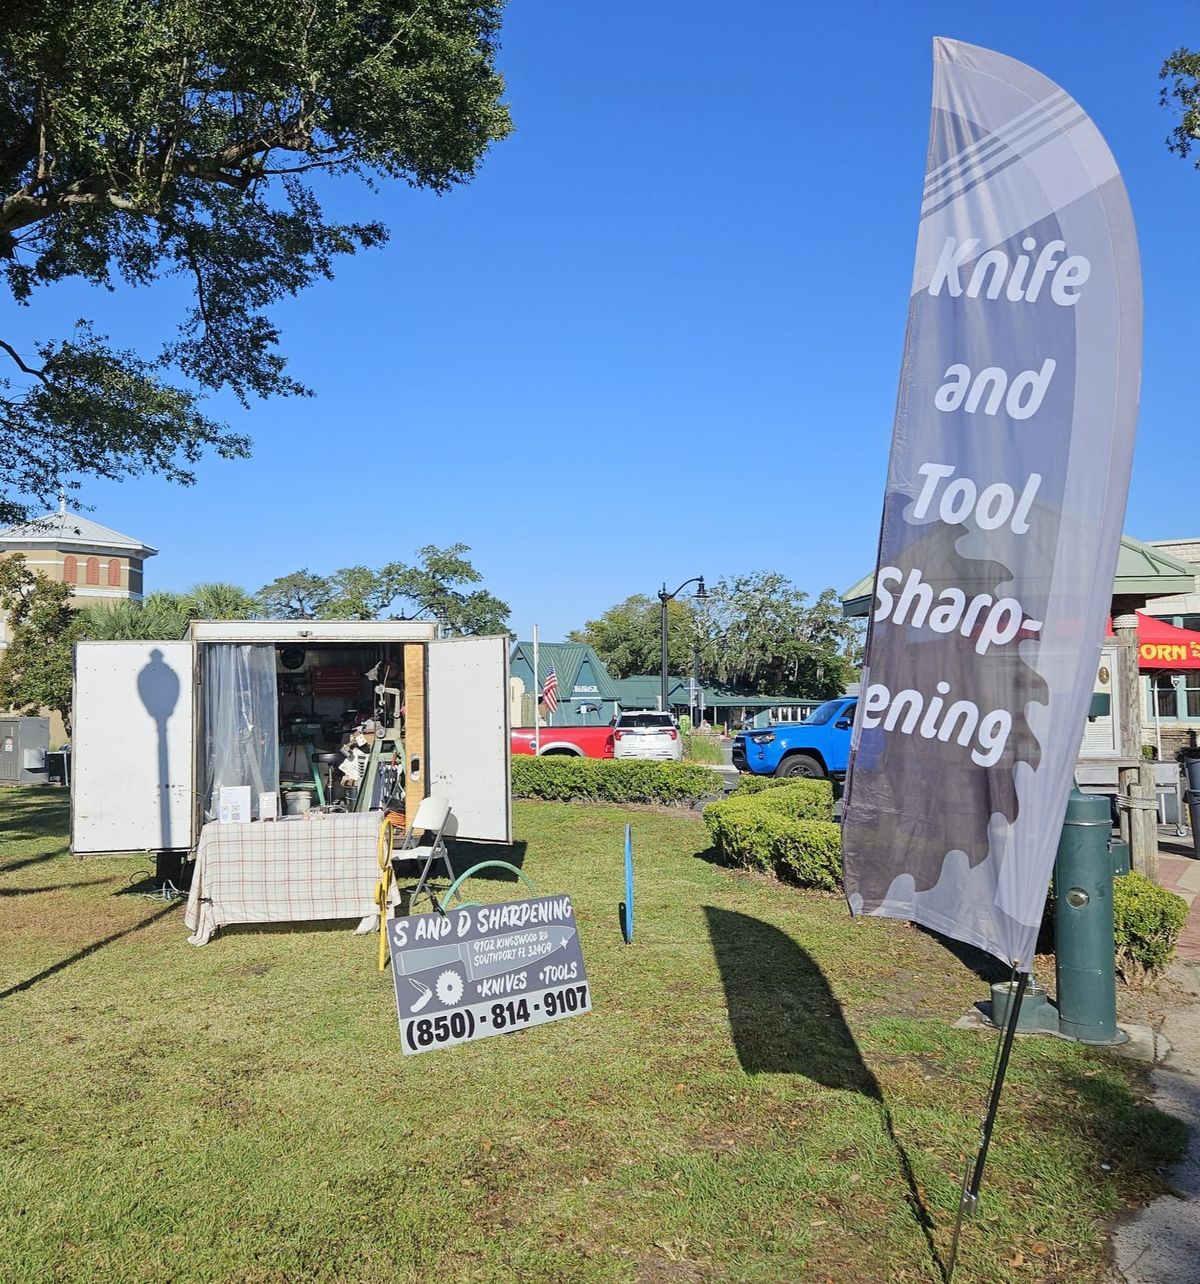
578	742
818	747
647	733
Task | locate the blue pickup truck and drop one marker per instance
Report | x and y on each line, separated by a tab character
817	747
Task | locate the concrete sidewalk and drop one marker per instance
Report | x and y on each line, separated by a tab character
1161	1245
1179	872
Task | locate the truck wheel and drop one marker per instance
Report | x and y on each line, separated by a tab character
800	764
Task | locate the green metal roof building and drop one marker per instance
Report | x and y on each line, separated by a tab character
1143	572
589	696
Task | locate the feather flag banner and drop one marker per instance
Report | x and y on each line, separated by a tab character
1003	509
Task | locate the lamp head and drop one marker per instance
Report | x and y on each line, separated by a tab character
701	591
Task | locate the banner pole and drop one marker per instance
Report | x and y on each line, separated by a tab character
537	698
970	1192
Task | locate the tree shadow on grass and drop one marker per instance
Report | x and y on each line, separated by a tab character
785	1019
55	968
25	815
1137	1138
53	887
13	865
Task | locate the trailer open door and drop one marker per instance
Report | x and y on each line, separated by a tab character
467	712
131	747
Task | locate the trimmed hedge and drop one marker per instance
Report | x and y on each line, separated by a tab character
788	832
1148	920
801	799
750	784
562	778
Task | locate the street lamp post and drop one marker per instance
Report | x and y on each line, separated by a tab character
663	598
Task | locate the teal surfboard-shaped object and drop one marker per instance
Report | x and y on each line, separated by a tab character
627	903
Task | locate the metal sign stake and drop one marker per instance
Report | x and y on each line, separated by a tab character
969	1199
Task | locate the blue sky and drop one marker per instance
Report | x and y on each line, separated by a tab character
660	334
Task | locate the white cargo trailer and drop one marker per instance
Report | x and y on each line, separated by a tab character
158	727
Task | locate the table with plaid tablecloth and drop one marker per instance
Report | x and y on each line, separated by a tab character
318	866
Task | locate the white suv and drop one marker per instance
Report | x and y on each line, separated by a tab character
647	733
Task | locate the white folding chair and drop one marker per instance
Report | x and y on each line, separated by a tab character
430	821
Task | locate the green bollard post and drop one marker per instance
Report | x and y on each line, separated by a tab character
1083	923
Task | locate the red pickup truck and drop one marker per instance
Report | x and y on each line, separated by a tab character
579	742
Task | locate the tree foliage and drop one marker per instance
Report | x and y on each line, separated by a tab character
302	595
145	139
762	635
164	617
628	636
35	666
437	586
757	632
1182	93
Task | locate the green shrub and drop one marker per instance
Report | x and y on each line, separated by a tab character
699	747
562	778
810	854
801	799
750	784
786	832
1148	921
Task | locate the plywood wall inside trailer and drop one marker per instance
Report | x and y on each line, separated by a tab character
415	738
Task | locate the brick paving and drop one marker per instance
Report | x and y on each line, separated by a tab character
1179	870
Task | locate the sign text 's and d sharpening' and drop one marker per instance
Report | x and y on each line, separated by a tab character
487	969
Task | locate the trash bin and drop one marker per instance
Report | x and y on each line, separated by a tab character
1191	767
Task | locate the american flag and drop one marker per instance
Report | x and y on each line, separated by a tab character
550	691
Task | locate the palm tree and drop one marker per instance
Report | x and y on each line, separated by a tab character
218	601
162	617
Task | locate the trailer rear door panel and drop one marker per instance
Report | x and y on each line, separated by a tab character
467	697
132	747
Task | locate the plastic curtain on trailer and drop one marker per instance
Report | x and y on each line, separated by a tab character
240	698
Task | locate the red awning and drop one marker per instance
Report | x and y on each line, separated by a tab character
1163	646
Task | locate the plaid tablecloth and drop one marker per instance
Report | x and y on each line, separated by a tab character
284	871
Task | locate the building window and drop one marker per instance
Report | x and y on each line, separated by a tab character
114	573
93	570
70	570
1177	696
1190	622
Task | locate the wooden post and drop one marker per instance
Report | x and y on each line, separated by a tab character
1130	692
414	727
1144	818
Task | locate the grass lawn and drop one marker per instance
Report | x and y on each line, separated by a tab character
764	1091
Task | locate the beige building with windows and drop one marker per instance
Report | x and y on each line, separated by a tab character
98	563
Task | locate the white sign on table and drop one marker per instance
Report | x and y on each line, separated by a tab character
233	805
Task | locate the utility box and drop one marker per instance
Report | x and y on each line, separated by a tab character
24	746
150	719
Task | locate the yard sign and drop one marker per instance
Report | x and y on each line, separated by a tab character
486	969
1003	509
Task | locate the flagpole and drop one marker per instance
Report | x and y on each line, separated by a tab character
537	697
970	1193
